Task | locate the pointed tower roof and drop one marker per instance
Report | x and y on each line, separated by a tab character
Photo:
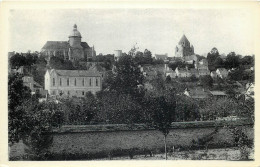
184	40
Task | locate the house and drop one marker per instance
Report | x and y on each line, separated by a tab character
203	72
169	72
250	93
161	56
222	73
218	93
213	74
28	81
72	82
194	72
182	72
202	65
193	58
34	86
196	93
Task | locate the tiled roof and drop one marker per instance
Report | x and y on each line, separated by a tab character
78	73
56	45
161	56
196	93
191	57
218	93
36	84
85	45
222	70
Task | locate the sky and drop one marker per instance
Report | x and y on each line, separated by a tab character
158	30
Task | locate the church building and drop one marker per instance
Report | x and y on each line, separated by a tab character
73	49
69	83
184	48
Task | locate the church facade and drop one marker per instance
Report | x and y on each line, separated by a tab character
184	48
73	49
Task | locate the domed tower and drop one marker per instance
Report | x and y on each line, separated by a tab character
75	38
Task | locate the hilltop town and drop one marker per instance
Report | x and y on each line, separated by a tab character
67	83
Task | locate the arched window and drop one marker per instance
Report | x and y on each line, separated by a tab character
53	81
75	81
96	81
68	81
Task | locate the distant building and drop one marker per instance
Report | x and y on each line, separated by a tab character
213	74
250	93
218	94
202	65
70	83
196	93
184	48
161	56
34	86
169	72
192	58
222	73
203	72
182	72
72	50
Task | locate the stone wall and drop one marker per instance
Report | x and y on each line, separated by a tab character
104	138
92	142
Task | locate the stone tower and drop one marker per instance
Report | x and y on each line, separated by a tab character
184	48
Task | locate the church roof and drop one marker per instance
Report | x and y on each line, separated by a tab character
184	40
56	45
78	73
59	45
85	45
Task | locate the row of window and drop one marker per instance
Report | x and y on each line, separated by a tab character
75	82
68	93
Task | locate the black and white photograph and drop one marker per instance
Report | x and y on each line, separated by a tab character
126	83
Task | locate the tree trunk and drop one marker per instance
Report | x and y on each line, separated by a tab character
165	147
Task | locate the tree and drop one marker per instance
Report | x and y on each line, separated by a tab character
39	69
41	118
162	118
60	63
162	111
218	107
232	60
176	64
118	108
126	77
206	81
247	60
17	92
212	56
17	61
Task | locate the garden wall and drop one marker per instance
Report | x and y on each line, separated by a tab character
78	140
92	139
